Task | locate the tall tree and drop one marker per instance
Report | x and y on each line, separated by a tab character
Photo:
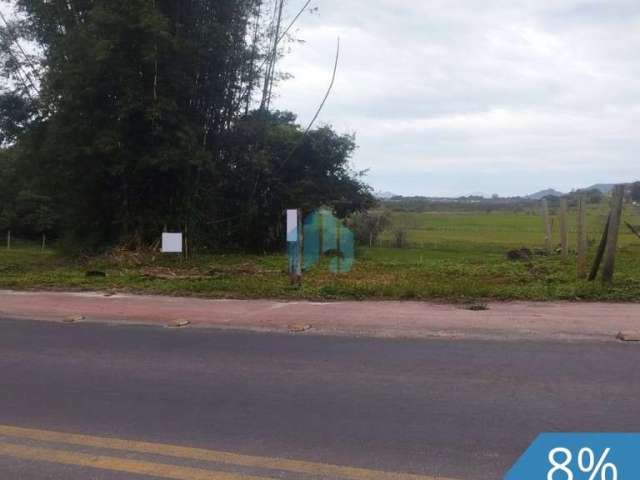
138	94
142	120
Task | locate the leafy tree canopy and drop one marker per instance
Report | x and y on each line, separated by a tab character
136	115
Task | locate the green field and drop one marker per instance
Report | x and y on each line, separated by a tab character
452	256
501	229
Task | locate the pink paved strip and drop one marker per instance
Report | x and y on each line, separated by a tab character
383	319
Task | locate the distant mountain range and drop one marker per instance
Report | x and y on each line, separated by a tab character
605	188
549	192
384	195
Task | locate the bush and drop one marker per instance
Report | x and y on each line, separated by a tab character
367	226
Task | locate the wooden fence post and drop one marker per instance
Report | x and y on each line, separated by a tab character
633	229
564	230
600	252
611	248
583	245
8	239
547	226
185	246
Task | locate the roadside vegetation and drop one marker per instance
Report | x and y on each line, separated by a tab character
447	256
130	118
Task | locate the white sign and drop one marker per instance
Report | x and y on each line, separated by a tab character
171	243
292	225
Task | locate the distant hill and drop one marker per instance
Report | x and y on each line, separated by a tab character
384	195
605	188
549	192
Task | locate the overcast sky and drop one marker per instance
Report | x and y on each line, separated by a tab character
452	97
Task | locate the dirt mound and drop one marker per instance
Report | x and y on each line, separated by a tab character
522	254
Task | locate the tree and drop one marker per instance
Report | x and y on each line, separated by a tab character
368	225
291	170
635	191
36	214
400	236
16	113
138	95
8	193
142	119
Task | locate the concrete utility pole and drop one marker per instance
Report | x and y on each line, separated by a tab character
582	244
611	247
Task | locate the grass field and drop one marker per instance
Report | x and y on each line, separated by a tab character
501	229
455	257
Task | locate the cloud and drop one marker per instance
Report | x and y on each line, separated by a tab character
540	90
458	96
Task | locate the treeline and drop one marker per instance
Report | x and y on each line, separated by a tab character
488	205
463	204
133	116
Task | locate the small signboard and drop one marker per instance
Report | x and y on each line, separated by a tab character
292	225
171	243
294	246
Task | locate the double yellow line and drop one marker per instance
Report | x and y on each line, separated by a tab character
167	470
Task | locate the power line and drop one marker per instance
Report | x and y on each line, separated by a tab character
318	111
301	141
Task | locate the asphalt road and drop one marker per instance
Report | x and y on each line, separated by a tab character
461	409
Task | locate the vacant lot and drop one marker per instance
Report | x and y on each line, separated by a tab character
502	229
451	257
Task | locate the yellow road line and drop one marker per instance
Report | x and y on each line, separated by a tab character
296	466
115	464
